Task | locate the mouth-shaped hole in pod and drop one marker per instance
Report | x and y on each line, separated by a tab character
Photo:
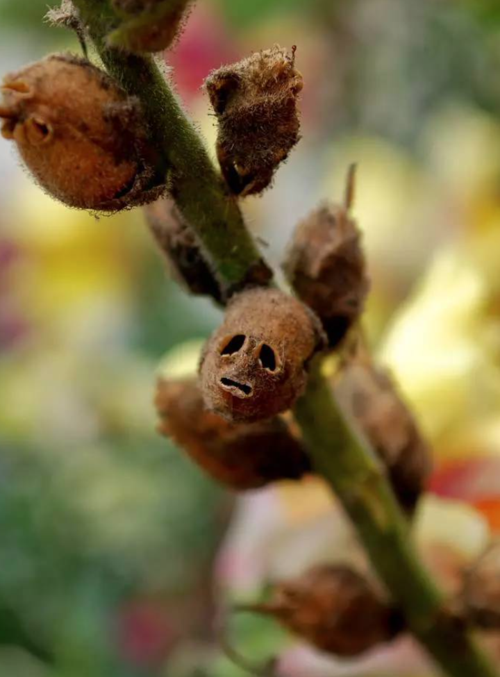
267	357
229	383
234	345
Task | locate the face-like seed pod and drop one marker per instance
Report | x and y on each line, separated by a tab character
368	394
254	365
481	594
149	25
255	101
182	251
335	609
78	133
241	456
326	267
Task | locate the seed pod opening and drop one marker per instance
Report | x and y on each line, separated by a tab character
369	395
241	456
255	101
254	365
481	594
178	243
149	25
335	609
326	266
79	134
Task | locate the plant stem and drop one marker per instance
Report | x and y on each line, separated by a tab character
338	454
193	181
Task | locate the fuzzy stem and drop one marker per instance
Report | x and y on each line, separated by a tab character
193	181
348	465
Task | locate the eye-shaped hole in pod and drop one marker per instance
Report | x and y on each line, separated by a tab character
234	345
267	357
37	131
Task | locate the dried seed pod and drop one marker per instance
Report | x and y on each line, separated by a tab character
481	594
241	456
149	25
79	134
254	365
369	395
335	609
183	252
326	266
255	101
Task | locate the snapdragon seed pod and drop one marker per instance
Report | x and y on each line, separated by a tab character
241	456
79	134
370	396
255	101
326	266
178	243
481	594
254	366
334	609
148	25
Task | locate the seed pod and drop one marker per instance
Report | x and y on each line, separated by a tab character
368	394
78	134
255	101
149	25
481	595
254	365
182	251
242	456
335	609
326	266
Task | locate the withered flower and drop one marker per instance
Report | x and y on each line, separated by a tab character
239	455
370	396
255	101
254	365
333	608
178	243
149	25
79	134
326	266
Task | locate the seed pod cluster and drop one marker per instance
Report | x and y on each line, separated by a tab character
255	101
179	244
241	456
481	595
79	134
369	395
254	365
149	25
326	266
335	609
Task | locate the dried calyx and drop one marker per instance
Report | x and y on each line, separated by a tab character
255	365
241	456
481	592
370	397
178	243
326	266
148	25
333	608
79	134
255	101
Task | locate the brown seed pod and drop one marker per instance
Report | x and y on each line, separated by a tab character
182	251
79	134
242	456
254	365
369	395
149	25
481	593
335	609
255	101
326	266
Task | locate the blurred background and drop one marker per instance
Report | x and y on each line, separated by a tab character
115	552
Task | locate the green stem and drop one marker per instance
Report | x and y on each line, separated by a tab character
193	181
344	460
